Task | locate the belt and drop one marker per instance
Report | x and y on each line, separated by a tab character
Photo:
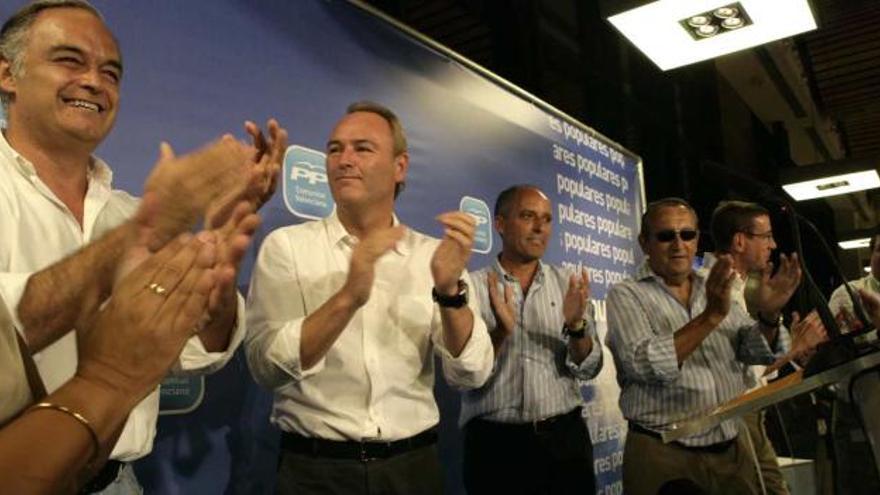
538	426
362	451
103	478
715	448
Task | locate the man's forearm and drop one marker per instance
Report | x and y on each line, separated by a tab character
687	338
579	349
67	294
216	334
458	323
47	450
321	328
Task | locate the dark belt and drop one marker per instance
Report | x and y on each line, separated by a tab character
539	426
362	451
715	448
105	476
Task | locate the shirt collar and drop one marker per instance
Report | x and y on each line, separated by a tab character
98	171
645	272
539	274
339	236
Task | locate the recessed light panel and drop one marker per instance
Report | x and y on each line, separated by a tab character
855	243
673	33
833	185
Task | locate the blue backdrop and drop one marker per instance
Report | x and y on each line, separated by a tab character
194	70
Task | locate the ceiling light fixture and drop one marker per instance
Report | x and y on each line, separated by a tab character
855	243
829	179
672	34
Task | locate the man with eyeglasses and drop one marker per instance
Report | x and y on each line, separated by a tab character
680	348
743	230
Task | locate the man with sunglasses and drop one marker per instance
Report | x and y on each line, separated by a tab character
680	348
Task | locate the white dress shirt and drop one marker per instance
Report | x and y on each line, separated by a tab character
36	230
14	388
376	381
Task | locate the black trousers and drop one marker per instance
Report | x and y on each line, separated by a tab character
414	472
551	457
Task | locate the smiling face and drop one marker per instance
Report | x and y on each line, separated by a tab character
526	227
67	91
361	165
670	258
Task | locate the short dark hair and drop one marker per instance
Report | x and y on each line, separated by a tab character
731	217
13	34
505	199
398	135
655	206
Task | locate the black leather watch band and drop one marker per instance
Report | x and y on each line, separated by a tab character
579	331
455	301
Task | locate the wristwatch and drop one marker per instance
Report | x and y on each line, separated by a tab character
455	301
578	331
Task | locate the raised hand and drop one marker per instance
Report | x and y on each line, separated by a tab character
718	286
806	334
185	186
774	292
502	305
576	298
266	156
154	309
362	268
454	251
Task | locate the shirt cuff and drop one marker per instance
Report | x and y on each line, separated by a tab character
757	349
662	358
474	364
195	359
12	286
590	366
284	351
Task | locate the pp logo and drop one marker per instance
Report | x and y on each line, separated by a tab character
306	192
478	209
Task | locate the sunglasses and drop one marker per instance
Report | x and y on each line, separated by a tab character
670	235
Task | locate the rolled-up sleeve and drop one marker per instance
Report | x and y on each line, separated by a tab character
753	347
12	287
194	359
275	314
474	364
640	353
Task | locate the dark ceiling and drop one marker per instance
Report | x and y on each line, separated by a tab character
842	57
843	63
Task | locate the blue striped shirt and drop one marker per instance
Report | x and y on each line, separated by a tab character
534	377
642	318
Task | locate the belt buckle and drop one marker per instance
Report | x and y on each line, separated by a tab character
365	455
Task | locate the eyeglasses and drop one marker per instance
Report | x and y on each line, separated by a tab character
765	236
670	235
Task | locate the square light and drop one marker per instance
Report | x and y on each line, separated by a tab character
855	243
655	28
868	269
833	185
